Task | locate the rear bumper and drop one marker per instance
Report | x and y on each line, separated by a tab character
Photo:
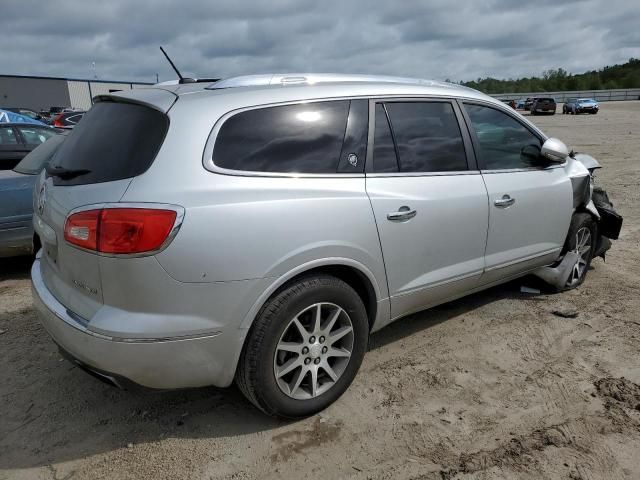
154	363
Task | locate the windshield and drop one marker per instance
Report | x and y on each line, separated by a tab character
35	160
587	100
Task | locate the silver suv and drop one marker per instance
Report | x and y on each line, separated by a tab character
260	228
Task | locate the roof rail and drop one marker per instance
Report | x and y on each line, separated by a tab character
314	78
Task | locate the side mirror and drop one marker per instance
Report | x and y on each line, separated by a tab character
555	150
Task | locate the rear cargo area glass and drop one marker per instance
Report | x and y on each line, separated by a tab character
114	141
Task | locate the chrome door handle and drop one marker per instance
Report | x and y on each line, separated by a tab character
403	213
504	202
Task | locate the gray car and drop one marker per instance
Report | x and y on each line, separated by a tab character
259	228
16	200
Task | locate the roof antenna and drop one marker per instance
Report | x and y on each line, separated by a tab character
182	79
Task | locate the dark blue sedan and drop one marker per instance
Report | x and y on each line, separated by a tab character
16	204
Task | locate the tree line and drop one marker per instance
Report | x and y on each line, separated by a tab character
626	75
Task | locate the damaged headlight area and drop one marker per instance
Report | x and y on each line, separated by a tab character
595	200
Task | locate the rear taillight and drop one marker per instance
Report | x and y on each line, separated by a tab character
120	230
57	122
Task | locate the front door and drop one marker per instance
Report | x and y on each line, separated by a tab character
430	206
530	201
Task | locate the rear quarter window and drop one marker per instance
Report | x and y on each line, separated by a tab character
300	138
114	141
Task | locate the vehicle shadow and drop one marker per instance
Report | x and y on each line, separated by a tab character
52	412
15	268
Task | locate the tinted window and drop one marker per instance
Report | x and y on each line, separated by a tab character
8	136
504	142
304	138
384	153
36	136
427	136
36	159
113	141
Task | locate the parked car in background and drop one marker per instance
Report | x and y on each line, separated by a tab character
543	105
27	112
520	104
580	105
305	212
16	200
528	102
18	139
48	115
67	120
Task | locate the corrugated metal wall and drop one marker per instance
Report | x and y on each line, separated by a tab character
79	94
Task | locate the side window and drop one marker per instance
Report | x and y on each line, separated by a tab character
8	136
427	137
36	136
504	142
302	138
384	151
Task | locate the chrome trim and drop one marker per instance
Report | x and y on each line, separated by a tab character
439	283
523	259
209	163
515	170
180	213
423	174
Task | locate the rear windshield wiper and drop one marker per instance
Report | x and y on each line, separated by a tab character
65	173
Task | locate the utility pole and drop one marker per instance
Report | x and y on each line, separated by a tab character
157	81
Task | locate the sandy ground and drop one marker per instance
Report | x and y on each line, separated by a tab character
496	385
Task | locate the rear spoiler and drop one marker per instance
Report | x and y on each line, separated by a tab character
156	98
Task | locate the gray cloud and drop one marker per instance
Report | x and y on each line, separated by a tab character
438	39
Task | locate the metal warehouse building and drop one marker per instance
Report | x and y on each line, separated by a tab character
40	93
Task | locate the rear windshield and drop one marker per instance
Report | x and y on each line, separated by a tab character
546	100
113	141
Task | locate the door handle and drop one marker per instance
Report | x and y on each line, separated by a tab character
404	213
504	202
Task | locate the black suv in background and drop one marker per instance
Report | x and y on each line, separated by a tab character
543	105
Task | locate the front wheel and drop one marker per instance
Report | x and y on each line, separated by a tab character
580	240
305	347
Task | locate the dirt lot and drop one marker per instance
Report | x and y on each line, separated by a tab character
497	385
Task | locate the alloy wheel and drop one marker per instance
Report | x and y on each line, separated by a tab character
583	249
313	351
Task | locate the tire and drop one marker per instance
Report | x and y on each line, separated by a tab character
292	394
580	222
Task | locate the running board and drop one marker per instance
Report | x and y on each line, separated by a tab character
559	275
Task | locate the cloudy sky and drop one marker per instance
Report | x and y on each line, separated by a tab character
456	39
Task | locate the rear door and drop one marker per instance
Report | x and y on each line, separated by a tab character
530	202
114	143
429	202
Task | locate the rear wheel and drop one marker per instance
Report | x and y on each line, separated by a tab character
305	347
581	240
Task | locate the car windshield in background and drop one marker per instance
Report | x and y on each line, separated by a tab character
114	141
546	100
35	161
587	100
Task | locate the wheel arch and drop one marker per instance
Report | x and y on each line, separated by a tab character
360	278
